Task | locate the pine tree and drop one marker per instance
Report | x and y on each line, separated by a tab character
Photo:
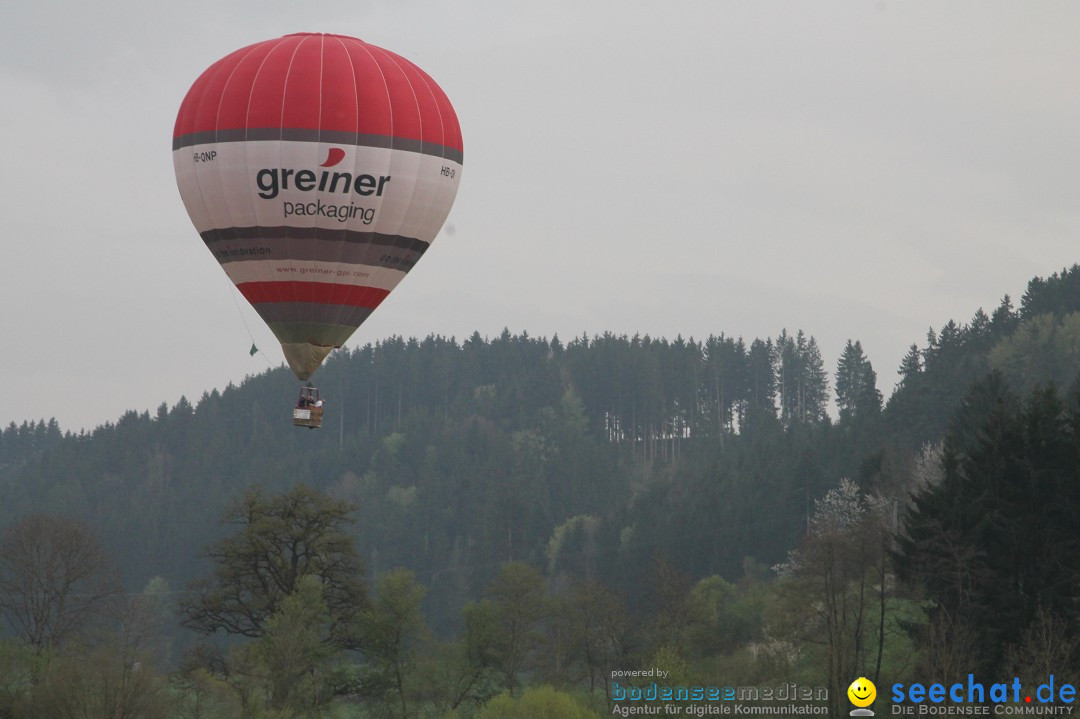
761	377
996	542
801	379
857	395
1004	319
815	384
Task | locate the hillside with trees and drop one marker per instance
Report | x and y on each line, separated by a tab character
524	515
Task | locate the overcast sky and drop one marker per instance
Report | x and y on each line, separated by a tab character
858	170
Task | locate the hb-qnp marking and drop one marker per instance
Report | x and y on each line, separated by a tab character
206	156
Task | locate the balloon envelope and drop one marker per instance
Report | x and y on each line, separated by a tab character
318	169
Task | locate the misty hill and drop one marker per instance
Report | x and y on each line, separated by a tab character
587	456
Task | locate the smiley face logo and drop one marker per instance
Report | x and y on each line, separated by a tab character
862	692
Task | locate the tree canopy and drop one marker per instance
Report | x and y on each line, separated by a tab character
278	542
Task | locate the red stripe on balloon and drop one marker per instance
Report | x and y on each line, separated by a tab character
323	293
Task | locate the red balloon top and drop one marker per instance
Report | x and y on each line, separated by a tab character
319	86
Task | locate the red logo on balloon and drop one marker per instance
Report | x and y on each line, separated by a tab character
333	157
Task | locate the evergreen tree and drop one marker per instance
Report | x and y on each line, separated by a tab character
816	386
1057	294
761	378
996	541
1004	319
801	379
910	366
857	395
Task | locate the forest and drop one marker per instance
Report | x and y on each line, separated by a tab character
492	526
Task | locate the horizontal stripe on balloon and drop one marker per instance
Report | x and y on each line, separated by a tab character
282	232
330	137
320	334
386	252
327	293
383	278
307	314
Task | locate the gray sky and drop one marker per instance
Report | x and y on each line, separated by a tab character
854	169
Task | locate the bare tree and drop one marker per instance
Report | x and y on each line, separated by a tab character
604	624
1048	647
54	579
836	585
948	647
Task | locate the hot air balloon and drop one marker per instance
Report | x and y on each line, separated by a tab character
317	169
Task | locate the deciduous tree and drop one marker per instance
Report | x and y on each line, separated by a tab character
507	624
54	579
392	627
278	541
836	583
